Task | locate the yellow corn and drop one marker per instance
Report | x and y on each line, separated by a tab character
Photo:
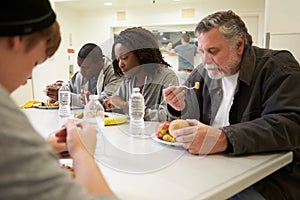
197	85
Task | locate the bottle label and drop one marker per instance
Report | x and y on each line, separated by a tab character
64	98
64	103
137	107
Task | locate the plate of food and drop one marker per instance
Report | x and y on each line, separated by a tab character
49	104
173	143
44	106
164	129
109	119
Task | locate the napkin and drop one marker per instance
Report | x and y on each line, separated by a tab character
30	103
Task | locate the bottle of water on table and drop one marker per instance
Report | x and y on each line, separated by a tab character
94	112
64	99
136	112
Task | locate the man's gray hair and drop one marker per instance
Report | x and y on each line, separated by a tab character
230	25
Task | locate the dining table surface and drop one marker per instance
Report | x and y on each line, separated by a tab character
138	166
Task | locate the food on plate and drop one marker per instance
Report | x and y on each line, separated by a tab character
177	124
50	102
69	169
162	131
113	120
47	103
78	115
81	115
168	138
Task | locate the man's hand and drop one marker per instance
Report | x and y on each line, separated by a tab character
114	102
175	97
84	96
77	138
201	139
52	90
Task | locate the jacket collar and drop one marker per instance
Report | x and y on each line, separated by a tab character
247	66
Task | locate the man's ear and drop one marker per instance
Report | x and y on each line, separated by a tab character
240	45
15	42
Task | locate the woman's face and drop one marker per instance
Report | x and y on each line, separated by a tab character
127	60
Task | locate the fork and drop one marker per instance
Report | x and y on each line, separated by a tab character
196	86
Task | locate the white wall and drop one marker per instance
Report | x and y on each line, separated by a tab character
282	21
98	25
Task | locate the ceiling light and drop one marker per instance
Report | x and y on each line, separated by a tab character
107	3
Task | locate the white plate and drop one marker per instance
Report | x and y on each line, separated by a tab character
177	144
45	107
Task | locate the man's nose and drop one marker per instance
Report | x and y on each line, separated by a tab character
121	64
206	59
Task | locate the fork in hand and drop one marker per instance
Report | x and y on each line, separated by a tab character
196	86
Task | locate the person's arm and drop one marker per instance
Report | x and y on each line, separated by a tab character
81	141
201	139
170	52
111	82
156	109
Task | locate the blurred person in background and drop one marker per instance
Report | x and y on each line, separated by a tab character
186	53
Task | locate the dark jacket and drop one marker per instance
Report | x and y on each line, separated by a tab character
264	117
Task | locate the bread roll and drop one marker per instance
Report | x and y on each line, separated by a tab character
177	124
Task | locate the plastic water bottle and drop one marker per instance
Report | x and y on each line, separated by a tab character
94	112
64	99
136	113
136	105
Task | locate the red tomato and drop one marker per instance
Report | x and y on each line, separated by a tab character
166	125
159	135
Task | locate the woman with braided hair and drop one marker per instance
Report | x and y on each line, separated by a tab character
138	60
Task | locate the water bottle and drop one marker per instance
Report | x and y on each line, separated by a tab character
136	105
64	99
94	112
136	113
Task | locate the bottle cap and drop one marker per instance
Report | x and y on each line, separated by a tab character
136	89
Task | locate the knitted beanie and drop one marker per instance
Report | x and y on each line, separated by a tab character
21	17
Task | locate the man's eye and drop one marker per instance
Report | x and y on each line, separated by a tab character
213	51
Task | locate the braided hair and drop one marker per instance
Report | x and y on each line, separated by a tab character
143	44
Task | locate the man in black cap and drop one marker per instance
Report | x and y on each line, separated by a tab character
29	169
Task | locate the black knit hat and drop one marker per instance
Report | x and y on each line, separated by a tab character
20	17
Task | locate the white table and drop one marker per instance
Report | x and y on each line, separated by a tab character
145	169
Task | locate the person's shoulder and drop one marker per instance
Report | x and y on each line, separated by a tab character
75	76
279	58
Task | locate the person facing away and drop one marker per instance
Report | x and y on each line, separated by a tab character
96	76
29	34
246	102
185	52
138	60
